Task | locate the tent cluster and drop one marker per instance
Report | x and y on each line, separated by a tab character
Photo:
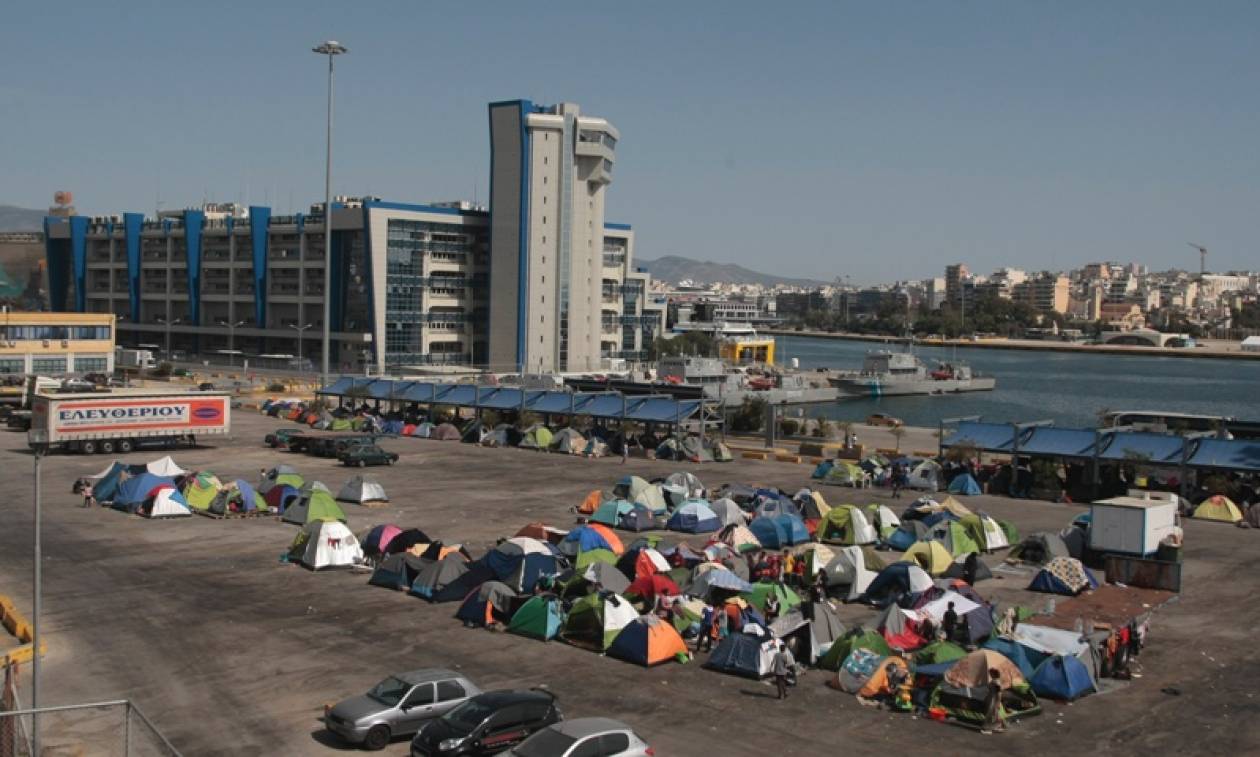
162	489
595	440
877	470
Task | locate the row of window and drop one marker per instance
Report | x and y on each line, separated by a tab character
16	333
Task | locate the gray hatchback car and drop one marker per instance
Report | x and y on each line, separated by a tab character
398	706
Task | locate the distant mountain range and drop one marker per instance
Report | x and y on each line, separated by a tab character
13	218
675	268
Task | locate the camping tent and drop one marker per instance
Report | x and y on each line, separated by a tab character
647	640
536	437
326	544
280	497
316	504
883	519
591	536
595	620
739	538
397	571
165	466
811	504
689	482
985	531
638	490
491	602
972	671
1063	575
362	490
694	517
1063	678
909	532
437	575
951	535
609	513
1038	548
1218	507
728	512
843	473
878	684
896	579
720	452
965	484
930	555
925	475
445	433
377	539
761	593
640	518
539	618
849	568
716	578
779	531
569	442
134	491
858	638
749	654
606	577
281	475
167	503
201	488
846	524
653	585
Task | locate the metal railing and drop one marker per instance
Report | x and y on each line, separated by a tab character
144	739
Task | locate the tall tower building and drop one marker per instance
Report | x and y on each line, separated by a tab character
549	168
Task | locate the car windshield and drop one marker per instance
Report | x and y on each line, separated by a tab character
467	716
390	691
545	743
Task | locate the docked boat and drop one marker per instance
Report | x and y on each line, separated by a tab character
890	374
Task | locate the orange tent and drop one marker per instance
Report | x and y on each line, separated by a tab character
877	684
542	532
613	540
591	503
647	641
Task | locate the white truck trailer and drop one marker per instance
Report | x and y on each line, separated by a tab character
127	419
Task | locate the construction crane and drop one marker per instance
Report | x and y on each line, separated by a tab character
1202	257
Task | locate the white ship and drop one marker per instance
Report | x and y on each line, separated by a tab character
889	374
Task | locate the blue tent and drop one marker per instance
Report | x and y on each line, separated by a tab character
587	539
820	470
694	517
780	531
1047	581
965	484
521	572
1014	652
392	427
105	487
891	581
738	654
1064	678
249	497
610	512
135	490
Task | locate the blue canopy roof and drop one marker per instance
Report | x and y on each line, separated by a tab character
988	437
1057	442
653	409
1236	454
1154	448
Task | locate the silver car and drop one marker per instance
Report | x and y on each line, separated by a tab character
585	737
398	706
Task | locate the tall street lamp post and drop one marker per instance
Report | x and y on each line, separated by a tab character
332	49
300	330
37	438
232	327
168	325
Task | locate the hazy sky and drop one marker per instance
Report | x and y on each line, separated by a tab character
881	140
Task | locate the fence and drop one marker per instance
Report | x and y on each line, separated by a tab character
109	728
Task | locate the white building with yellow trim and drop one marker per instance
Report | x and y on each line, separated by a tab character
53	344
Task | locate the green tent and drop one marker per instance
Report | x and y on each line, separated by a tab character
938	652
537	437
201	489
315	505
610	512
846	525
540	618
861	638
593	556
596	619
788	599
339	424
842	473
290	479
955	538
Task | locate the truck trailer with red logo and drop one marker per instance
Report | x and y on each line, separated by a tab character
127	419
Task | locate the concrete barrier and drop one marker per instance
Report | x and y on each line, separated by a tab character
17	624
751	455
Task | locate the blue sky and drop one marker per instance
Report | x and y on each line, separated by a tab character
878	140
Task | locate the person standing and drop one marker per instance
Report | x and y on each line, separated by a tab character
89	498
949	623
993	720
781	664
704	643
772	607
896	478
970	566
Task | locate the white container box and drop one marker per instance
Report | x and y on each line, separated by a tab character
1134	524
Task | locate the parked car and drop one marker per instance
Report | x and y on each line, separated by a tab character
366	454
883	419
280	437
398	706
487	724
74	385
205	386
601	737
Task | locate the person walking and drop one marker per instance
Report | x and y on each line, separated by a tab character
897	479
781	664
704	643
89	498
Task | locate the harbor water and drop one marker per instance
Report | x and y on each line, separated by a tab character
1071	389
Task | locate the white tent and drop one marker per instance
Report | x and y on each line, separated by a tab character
925	475
618	613
165	466
994	536
849	567
361	490
329	544
936	608
728	512
165	505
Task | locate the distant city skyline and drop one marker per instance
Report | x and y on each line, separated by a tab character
878	142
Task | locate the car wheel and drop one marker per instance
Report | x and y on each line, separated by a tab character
377	738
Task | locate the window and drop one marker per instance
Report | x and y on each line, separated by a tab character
48	365
12	365
422	694
88	364
613	743
588	748
448	690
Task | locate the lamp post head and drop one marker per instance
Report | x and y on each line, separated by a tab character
37	439
331	47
